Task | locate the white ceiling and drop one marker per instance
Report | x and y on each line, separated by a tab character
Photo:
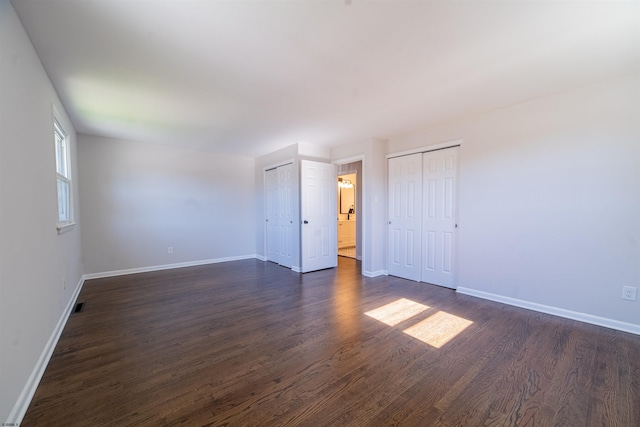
250	77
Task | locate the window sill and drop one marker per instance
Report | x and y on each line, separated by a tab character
63	228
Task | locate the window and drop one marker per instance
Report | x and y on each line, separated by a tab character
63	175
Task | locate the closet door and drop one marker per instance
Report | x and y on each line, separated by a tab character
285	215
273	214
439	213
405	193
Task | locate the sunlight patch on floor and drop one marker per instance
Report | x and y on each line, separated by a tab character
438	329
397	311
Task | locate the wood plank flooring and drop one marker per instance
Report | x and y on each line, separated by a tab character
248	343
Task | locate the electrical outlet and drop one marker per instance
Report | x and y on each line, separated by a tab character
170	250
629	292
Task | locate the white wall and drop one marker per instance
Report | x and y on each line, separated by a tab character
39	269
550	200
138	199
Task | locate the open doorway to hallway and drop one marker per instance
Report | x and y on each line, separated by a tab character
349	210
347	215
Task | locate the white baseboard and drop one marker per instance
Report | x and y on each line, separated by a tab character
20	408
375	273
296	269
261	257
165	267
561	312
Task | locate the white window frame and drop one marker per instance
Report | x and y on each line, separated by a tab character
64	183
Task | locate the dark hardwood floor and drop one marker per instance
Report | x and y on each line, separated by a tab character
249	343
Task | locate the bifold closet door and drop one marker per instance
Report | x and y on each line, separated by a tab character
273	214
279	187
285	215
439	217
405	209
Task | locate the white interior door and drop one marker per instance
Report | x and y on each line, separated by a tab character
285	215
319	216
405	193
272	211
439	213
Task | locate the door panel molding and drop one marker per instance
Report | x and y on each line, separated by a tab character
404	220
422	215
439	224
319	225
279	214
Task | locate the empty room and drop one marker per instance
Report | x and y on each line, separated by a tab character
319	213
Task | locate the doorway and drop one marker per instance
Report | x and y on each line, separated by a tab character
347	215
349	204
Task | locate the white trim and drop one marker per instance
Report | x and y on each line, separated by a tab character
277	165
346	160
261	258
296	269
375	273
67	176
24	400
63	228
265	229
426	149
561	312
165	267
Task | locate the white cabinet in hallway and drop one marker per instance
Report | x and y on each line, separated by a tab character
346	234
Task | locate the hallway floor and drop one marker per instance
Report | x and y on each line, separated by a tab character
349	252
